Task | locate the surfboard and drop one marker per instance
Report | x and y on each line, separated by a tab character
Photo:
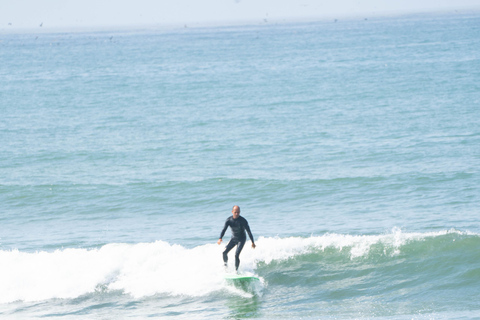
239	277
244	282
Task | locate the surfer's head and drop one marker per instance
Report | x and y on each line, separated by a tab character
236	212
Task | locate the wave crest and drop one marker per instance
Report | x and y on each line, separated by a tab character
147	269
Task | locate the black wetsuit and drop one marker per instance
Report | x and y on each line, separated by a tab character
238	227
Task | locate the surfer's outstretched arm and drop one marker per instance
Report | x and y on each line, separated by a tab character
223	232
247	227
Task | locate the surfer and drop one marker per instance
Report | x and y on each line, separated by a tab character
238	225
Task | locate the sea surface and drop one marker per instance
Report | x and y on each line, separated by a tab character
351	146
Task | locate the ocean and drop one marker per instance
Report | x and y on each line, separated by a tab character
351	146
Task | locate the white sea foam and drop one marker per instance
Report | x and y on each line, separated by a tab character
147	269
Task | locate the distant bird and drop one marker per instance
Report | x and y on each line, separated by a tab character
41	24
9	23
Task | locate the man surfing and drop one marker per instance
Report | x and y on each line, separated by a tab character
238	225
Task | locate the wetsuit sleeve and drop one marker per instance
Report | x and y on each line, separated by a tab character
247	227
224	229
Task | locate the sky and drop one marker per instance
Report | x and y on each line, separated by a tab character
31	14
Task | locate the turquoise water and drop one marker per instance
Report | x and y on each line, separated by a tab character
353	149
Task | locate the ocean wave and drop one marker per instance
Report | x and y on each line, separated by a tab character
147	269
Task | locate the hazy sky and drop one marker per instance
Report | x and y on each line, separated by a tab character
111	13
